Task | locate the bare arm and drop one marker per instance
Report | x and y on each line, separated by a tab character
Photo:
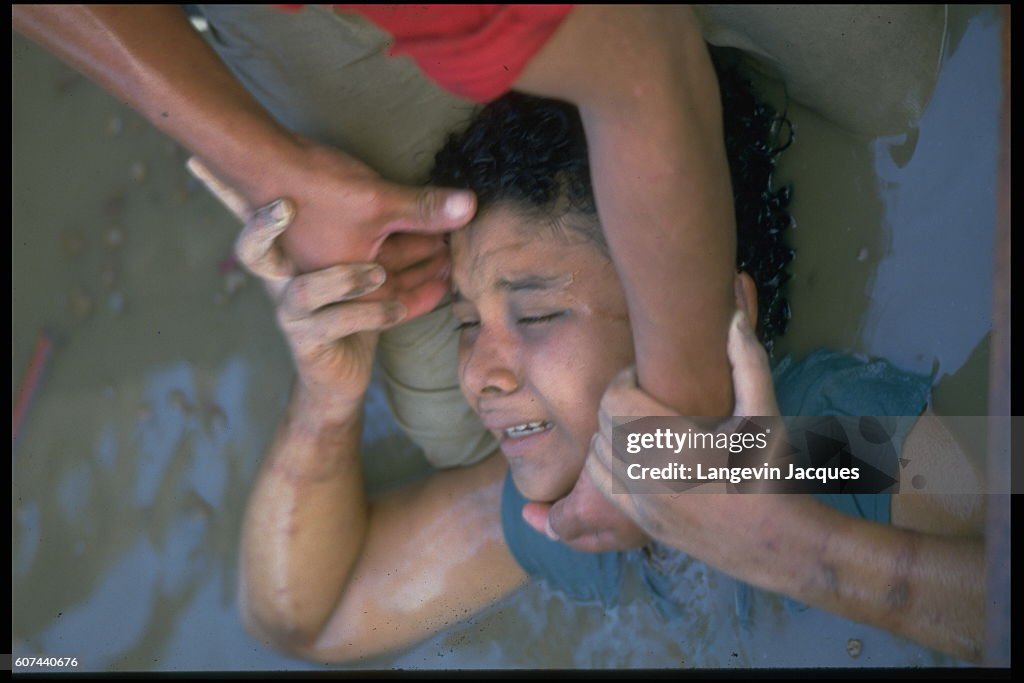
924	581
648	96
327	574
925	586
150	57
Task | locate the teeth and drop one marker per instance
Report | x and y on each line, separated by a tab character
527	429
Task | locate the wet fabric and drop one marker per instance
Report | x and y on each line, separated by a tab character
824	383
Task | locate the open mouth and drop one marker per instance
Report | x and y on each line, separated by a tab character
527	429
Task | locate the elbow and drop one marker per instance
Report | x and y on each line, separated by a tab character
292	640
273	628
278	635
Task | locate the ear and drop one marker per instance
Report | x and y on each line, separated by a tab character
746	296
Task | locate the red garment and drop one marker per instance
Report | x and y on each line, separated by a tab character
475	51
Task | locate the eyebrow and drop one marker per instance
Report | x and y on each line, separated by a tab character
534	282
525	283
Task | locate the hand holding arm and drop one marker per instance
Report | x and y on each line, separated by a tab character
924	586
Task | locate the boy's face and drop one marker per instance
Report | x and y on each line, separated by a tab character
544	330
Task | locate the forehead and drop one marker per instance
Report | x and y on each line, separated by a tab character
504	246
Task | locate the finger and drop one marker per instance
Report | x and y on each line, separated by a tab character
536	515
427	209
421	288
437	267
424	298
576	515
401	250
600	448
623	398
587	521
326	326
256	246
751	372
305	294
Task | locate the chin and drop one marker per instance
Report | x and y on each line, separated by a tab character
538	488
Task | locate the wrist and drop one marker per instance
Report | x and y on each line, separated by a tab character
258	158
313	447
314	413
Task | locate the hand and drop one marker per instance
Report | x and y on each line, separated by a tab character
584	520
332	337
395	253
345	211
722	529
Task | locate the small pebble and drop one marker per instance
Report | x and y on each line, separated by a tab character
115	238
862	255
115	124
80	304
853	647
138	171
918	481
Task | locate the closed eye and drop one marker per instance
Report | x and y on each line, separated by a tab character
467	325
537	320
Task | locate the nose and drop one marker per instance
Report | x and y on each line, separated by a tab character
490	364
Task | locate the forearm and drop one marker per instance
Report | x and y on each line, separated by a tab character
925	587
150	57
304	524
649	99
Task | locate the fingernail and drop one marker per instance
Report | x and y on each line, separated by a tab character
549	531
396	312
739	320
276	214
458	205
375	275
445	271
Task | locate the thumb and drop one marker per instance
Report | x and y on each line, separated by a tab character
751	373
537	516
427	210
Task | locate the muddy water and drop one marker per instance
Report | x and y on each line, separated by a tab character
131	469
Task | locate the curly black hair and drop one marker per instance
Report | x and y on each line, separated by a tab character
532	152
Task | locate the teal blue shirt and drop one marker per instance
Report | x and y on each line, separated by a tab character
825	383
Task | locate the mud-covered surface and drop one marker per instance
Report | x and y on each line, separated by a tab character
132	464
